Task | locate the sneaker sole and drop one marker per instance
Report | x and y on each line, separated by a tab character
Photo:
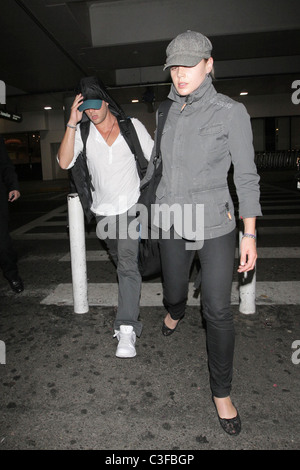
125	355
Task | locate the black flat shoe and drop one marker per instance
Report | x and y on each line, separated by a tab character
16	285
166	331
231	426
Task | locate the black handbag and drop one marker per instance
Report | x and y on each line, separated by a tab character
148	189
149	255
149	258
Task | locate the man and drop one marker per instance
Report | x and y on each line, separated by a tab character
115	190
9	188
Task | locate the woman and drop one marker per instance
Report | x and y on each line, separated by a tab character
204	133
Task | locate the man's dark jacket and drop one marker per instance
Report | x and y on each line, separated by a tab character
8	176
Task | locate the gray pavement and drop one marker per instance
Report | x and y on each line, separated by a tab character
63	388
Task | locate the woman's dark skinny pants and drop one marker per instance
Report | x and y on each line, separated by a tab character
217	261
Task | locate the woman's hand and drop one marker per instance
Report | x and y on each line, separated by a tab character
248	255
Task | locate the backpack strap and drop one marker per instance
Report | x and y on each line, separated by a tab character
84	131
130	135
161	119
80	180
153	176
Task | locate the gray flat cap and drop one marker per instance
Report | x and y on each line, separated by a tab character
188	49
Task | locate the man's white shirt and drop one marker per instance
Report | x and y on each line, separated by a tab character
113	169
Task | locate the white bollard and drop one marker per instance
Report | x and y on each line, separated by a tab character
247	288
78	254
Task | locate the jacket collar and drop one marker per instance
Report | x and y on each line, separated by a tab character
205	89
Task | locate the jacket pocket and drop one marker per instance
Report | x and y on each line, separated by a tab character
211	138
218	208
211	130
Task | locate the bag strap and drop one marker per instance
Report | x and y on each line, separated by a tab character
84	131
162	117
130	135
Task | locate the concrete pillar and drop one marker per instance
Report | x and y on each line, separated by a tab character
78	254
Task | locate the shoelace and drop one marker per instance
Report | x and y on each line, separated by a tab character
123	336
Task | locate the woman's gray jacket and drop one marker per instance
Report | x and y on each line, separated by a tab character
204	133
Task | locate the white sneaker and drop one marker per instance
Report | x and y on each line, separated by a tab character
126	337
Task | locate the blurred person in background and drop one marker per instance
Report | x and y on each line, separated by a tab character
9	192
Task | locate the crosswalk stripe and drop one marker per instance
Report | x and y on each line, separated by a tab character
106	294
263	252
100	255
281	216
92	255
275	229
291	208
92	235
20	233
48	236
